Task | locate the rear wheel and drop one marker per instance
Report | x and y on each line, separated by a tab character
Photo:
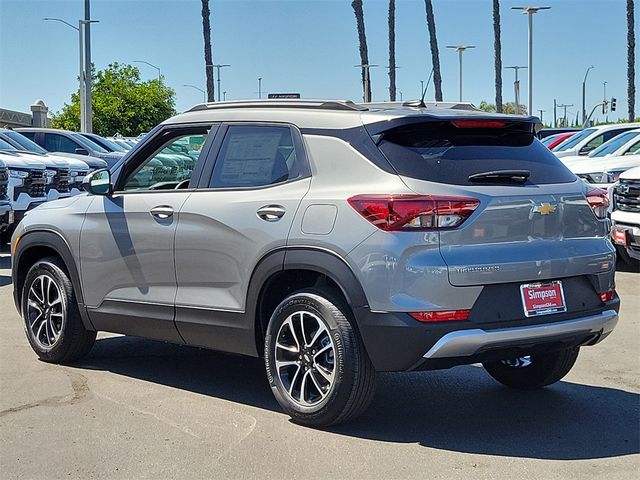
534	371
316	363
626	258
52	320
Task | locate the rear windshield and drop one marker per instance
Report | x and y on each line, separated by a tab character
441	152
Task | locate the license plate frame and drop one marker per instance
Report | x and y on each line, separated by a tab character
550	293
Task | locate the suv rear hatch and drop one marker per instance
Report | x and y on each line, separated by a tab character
533	220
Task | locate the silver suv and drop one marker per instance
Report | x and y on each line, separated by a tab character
335	239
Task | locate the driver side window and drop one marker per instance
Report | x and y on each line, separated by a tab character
169	167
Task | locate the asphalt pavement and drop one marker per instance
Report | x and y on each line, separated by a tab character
137	409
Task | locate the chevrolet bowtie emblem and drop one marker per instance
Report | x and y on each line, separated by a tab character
544	208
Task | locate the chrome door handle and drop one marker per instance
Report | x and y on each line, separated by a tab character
162	212
271	213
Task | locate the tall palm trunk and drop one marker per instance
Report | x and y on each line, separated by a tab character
631	61
435	54
497	45
392	50
208	57
364	54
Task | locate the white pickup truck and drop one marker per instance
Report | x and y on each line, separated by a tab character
625	217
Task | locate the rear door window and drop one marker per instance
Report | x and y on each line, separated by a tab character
54	142
441	152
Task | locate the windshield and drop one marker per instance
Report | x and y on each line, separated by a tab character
6	145
113	145
573	141
24	142
88	143
614	144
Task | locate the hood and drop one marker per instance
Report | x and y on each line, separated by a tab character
631	174
94	163
605	164
570	159
53	162
74	164
21	162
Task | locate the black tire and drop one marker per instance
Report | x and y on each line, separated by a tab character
543	369
74	340
632	263
353	385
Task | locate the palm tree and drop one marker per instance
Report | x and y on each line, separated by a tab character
392	50
435	55
208	57
364	54
498	54
631	69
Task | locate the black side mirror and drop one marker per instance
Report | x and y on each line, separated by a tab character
82	151
98	182
585	150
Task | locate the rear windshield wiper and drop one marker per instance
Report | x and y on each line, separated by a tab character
501	176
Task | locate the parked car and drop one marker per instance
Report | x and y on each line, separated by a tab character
627	143
337	240
546	132
105	143
54	140
625	217
77	163
591	138
27	187
6	212
556	139
605	171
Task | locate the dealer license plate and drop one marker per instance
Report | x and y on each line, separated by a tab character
542	298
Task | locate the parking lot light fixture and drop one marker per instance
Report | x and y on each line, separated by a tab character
460	49
584	90
150	64
204	94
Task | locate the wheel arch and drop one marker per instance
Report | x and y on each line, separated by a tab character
39	244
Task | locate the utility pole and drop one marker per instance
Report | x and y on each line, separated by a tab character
541	112
87	64
516	87
604	87
259	87
530	11
555	113
218	67
367	79
584	89
460	49
565	105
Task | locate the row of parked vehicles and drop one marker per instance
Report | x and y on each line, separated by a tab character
608	156
42	164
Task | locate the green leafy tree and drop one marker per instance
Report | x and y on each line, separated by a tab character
509	108
122	103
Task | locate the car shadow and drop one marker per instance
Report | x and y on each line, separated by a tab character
461	410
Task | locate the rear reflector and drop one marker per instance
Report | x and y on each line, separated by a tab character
607	296
394	213
599	202
479	123
441	316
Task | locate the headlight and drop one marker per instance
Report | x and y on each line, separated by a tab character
613	175
49	174
18	174
74	174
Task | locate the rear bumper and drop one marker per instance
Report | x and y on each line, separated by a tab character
465	343
397	342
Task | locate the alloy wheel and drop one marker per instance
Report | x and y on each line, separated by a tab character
45	311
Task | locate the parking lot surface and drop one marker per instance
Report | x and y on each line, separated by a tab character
136	408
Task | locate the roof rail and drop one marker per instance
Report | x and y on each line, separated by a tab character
282	103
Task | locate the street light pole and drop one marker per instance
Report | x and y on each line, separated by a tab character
218	67
150	64
460	49
259	87
204	94
88	78
530	11
516	87
584	89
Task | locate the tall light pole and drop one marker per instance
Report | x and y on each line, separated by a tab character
224	95
367	79
584	90
460	49
604	88
84	111
88	79
516	87
259	87
151	65
218	67
204	94
530	11
565	105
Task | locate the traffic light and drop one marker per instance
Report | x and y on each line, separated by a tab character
613	104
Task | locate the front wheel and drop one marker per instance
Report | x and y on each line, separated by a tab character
534	371
316	363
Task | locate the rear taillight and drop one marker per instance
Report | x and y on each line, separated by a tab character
441	316
607	296
598	201
413	212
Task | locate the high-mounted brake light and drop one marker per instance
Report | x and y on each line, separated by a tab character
413	212
441	316
479	123
599	202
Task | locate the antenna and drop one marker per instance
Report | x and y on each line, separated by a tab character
420	104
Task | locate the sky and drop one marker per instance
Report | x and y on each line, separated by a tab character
310	47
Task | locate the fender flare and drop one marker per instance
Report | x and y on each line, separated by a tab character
56	242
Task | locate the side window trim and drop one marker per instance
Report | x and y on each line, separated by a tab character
301	153
151	146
